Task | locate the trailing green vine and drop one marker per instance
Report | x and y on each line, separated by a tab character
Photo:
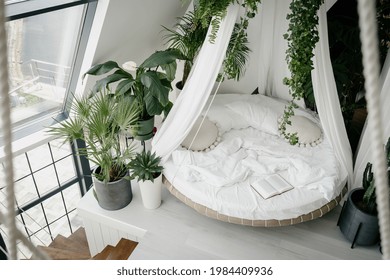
237	52
302	36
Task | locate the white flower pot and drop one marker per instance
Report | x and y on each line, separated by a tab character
151	192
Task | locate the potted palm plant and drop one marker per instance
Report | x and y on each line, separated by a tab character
149	87
99	121
358	219
146	169
188	35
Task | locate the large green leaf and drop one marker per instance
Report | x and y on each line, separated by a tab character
125	86
153	106
170	70
153	83
116	76
102	68
162	58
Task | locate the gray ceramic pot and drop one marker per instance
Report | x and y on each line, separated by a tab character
113	195
358	226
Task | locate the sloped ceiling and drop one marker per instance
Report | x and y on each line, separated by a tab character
129	30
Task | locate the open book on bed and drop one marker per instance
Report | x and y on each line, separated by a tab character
271	186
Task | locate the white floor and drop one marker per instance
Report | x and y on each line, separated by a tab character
176	231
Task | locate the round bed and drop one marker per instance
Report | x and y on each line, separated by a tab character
220	178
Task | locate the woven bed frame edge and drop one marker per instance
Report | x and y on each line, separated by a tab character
255	223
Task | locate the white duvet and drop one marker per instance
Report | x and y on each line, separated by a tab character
249	151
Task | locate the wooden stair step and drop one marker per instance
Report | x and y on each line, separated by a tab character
123	249
63	254
80	236
103	255
61	242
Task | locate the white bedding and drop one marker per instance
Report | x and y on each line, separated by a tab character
250	150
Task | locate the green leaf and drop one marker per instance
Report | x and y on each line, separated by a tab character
102	68
162	58
125	86
116	76
153	106
170	70
153	83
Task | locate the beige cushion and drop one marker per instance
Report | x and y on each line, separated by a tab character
206	139
308	132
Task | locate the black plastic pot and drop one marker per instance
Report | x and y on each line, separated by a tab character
358	226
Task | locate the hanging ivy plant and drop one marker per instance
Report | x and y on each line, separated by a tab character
237	52
302	36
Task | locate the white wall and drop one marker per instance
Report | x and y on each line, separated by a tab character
128	30
249	81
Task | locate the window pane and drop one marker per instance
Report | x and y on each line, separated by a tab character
41	51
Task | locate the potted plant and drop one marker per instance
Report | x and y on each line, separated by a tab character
358	219
99	121
149	87
146	169
189	33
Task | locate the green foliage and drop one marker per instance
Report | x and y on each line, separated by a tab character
145	166
346	56
190	32
211	12
149	88
369	197
187	35
217	9
99	121
302	36
237	52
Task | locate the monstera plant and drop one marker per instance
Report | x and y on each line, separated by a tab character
147	85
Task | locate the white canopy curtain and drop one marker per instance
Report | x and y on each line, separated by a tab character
327	101
192	99
273	68
364	151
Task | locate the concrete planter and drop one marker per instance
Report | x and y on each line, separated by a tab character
358	226
113	195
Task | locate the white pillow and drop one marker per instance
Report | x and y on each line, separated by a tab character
256	115
206	139
226	119
308	132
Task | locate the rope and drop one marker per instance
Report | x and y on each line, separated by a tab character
197	131
206	113
369	39
37	254
6	118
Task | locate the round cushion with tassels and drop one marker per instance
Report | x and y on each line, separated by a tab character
309	134
208	136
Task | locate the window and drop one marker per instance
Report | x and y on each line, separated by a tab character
46	42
